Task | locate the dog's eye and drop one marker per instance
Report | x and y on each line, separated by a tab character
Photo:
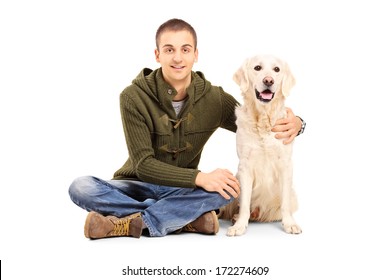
257	68
276	69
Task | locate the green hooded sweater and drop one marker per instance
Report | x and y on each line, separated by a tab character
165	149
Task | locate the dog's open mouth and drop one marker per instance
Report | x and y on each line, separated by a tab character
264	96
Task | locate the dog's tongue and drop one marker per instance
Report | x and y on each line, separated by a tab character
266	95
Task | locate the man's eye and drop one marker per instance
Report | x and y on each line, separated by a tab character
257	68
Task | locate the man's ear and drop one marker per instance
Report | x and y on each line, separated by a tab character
157	55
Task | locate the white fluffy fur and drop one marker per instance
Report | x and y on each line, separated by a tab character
265	168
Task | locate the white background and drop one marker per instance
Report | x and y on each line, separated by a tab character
62	67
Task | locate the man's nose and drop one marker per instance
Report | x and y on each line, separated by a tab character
177	57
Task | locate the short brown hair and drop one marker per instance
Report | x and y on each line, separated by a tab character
175	25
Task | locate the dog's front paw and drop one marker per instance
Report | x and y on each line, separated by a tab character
237	229
292	228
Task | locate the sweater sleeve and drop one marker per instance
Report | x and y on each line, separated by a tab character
142	162
229	105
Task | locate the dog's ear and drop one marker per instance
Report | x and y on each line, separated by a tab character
241	77
288	80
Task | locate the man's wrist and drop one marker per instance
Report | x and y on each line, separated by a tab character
198	179
303	126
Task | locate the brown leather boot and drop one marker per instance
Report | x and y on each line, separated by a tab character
206	224
99	226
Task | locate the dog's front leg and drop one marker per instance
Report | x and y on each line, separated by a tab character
245	177
288	203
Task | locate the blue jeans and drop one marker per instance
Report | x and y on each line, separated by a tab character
164	209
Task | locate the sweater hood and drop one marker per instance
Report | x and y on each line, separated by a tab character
153	84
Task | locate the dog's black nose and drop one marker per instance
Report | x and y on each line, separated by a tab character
268	81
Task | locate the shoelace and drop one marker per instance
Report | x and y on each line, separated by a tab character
121	228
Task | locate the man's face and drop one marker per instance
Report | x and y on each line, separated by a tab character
177	54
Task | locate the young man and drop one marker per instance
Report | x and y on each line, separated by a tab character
168	115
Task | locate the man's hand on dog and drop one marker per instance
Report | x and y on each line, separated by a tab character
288	127
220	180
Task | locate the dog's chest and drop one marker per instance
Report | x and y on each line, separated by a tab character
254	135
269	147
257	140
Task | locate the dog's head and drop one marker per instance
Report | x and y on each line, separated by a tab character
266	77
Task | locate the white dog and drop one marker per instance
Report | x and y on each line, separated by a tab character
265	168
